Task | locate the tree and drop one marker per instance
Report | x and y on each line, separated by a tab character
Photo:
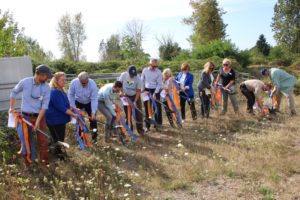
262	46
168	49
133	36
12	41
71	36
286	24
206	21
111	49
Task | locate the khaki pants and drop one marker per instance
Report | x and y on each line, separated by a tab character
289	94
233	100
42	142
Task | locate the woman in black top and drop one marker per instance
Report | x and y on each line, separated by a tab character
205	87
227	77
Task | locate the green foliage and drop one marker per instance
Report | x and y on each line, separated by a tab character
71	36
218	48
12	41
286	23
206	21
111	49
168	49
262	45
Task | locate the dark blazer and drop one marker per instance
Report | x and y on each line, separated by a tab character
204	81
189	79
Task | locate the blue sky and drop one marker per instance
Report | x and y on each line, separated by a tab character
246	20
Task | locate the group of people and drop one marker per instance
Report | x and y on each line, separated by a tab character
51	105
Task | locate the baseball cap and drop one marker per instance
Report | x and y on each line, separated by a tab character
44	69
132	70
263	71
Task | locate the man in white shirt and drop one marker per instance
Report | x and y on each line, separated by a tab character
152	83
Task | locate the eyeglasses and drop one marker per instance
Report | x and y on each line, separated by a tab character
225	64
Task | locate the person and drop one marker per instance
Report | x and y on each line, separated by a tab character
283	85
185	79
167	89
106	96
132	85
227	77
58	112
83	93
205	87
252	89
35	100
152	81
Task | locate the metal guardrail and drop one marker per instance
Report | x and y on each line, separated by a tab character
105	76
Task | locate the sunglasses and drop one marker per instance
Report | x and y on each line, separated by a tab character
225	64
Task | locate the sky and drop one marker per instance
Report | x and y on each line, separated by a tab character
246	20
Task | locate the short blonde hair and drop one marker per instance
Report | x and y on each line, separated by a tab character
167	72
207	66
53	83
228	61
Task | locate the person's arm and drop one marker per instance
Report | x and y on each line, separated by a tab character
46	98
143	79
159	83
72	94
94	99
39	118
218	79
189	82
13	95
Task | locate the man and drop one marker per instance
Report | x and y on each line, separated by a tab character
252	89
132	85
283	84
83	93
152	83
35	100
106	96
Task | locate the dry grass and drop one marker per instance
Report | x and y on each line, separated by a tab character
230	157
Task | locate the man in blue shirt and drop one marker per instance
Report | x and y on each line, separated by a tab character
35	100
283	85
83	93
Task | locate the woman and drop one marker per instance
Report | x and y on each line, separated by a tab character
227	77
167	89
205	87
59	112
185	80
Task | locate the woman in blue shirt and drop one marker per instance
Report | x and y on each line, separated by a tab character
59	112
185	80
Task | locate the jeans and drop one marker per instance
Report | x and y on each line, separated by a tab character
139	116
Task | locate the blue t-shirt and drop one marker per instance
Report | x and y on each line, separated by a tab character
58	105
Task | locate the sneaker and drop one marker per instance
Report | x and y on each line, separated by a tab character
147	130
183	121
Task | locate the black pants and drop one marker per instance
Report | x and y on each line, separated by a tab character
57	132
169	113
183	99
88	109
250	97
205	103
139	117
158	116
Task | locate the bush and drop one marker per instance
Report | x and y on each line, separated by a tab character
222	49
297	87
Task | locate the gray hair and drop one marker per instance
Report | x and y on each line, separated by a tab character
83	76
153	59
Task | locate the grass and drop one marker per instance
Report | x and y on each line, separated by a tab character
228	157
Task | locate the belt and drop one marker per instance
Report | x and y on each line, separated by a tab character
30	114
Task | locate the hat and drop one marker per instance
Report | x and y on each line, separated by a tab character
263	71
43	69
132	70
